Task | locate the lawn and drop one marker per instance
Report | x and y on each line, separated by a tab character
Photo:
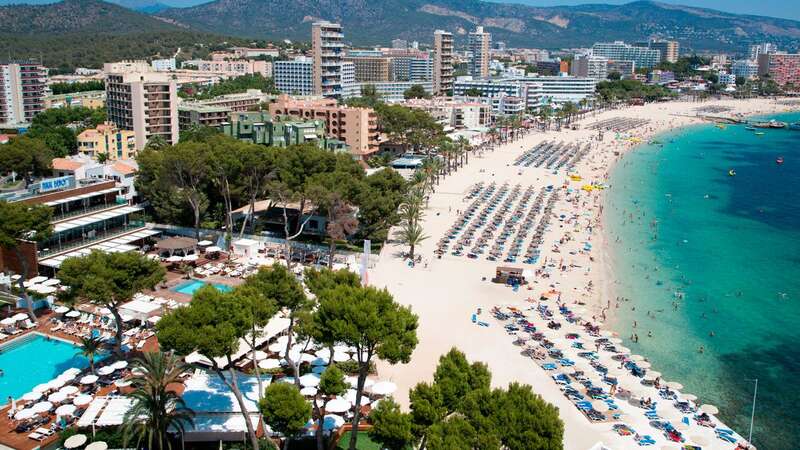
363	443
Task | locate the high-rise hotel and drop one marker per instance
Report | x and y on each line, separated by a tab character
327	49
442	62
22	91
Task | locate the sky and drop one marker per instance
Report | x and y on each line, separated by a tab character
785	9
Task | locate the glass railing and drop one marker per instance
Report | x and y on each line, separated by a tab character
98	236
79	212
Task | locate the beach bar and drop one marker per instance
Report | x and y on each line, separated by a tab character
509	275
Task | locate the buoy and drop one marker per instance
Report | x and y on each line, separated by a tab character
731	173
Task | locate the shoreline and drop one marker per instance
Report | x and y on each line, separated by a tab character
446	292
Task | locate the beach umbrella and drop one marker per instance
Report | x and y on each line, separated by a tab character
67	377
319	361
61	310
51	282
8	321
600	406
46	290
268	364
343	349
340	357
674	385
308	391
38	279
44	387
689	397
75	441
24	414
175	258
107	370
42	407
97	445
57	397
204	243
306	358
309	380
122	383
119	365
709	409
332	422
190	258
338	405
350	396
89	379
82	400
74	371
73	314
383	388
261	355
670	414
66	410
699	440
32	396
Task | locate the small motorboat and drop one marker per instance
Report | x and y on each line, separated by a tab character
760	133
750	128
731	173
779	160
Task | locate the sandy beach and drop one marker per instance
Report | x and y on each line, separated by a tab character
446	291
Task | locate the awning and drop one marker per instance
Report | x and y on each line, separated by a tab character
82	196
95	218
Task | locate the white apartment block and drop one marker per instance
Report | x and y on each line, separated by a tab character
163	65
480	43
442	61
22	91
294	77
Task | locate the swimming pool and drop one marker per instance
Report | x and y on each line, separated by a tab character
34	359
189	287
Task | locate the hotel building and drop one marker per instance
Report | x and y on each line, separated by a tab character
357	127
142	100
442	62
22	91
295	77
480	43
327	52
641	56
107	139
670	50
783	68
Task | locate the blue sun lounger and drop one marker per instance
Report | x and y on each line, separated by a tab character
646	440
549	366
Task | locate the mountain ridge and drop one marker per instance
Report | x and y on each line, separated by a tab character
375	21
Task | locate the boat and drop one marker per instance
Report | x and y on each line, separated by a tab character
779	160
760	133
771	124
794	126
731	173
749	128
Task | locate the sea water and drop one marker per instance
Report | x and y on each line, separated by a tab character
704	237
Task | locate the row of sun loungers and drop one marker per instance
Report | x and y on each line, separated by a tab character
619	124
553	156
497	216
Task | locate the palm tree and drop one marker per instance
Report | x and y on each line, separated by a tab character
157	409
464	145
411	234
90	347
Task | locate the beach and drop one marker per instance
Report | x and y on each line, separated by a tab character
446	292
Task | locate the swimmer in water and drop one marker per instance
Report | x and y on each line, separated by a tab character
701	349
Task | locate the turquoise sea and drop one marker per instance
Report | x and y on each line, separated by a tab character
712	260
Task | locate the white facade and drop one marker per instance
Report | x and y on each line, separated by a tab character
480	42
294	77
745	69
163	65
642	56
590	66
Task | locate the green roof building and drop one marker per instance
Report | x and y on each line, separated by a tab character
259	127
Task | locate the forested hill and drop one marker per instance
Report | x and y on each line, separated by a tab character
379	21
75	33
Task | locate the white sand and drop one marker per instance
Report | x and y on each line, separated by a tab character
446	292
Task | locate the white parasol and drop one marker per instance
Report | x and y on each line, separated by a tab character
75	441
338	405
383	388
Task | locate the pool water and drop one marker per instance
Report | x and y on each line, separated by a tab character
189	287
33	359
